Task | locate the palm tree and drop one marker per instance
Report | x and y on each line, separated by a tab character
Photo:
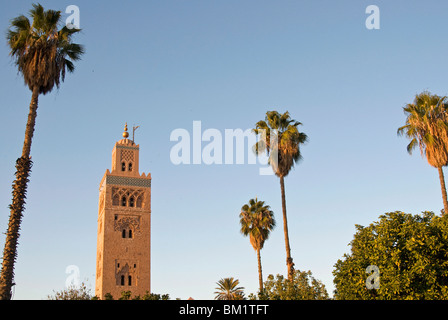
42	54
228	289
257	221
427	127
281	140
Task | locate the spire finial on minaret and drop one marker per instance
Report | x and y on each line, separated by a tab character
133	131
126	133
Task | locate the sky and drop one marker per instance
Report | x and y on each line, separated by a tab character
162	65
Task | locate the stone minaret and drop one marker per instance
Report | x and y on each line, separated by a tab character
124	225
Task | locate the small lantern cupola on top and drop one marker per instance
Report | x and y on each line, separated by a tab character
125	156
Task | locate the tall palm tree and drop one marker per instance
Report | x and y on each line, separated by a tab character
228	289
42	53
427	127
257	221
282	140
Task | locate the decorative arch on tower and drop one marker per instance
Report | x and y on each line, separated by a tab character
127	197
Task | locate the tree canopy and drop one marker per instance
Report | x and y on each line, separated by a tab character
410	251
228	289
303	286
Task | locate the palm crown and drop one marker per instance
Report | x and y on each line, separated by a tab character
41	51
281	139
427	127
228	289
257	221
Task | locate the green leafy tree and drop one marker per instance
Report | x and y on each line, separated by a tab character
108	296
427	127
228	289
155	296
410	251
282	140
303	286
73	293
257	221
42	53
125	295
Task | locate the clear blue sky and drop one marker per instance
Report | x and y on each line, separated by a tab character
163	65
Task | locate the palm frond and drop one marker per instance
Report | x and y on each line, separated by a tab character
38	15
21	23
412	145
51	20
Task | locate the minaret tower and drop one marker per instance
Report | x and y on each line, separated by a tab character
124	225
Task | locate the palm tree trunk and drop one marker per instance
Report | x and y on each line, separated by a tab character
29	131
23	169
260	274
442	185
289	262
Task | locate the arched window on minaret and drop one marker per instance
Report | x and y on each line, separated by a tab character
139	201
123	166
116	200
123	201
131	201
130	166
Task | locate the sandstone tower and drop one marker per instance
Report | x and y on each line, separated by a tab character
124	224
